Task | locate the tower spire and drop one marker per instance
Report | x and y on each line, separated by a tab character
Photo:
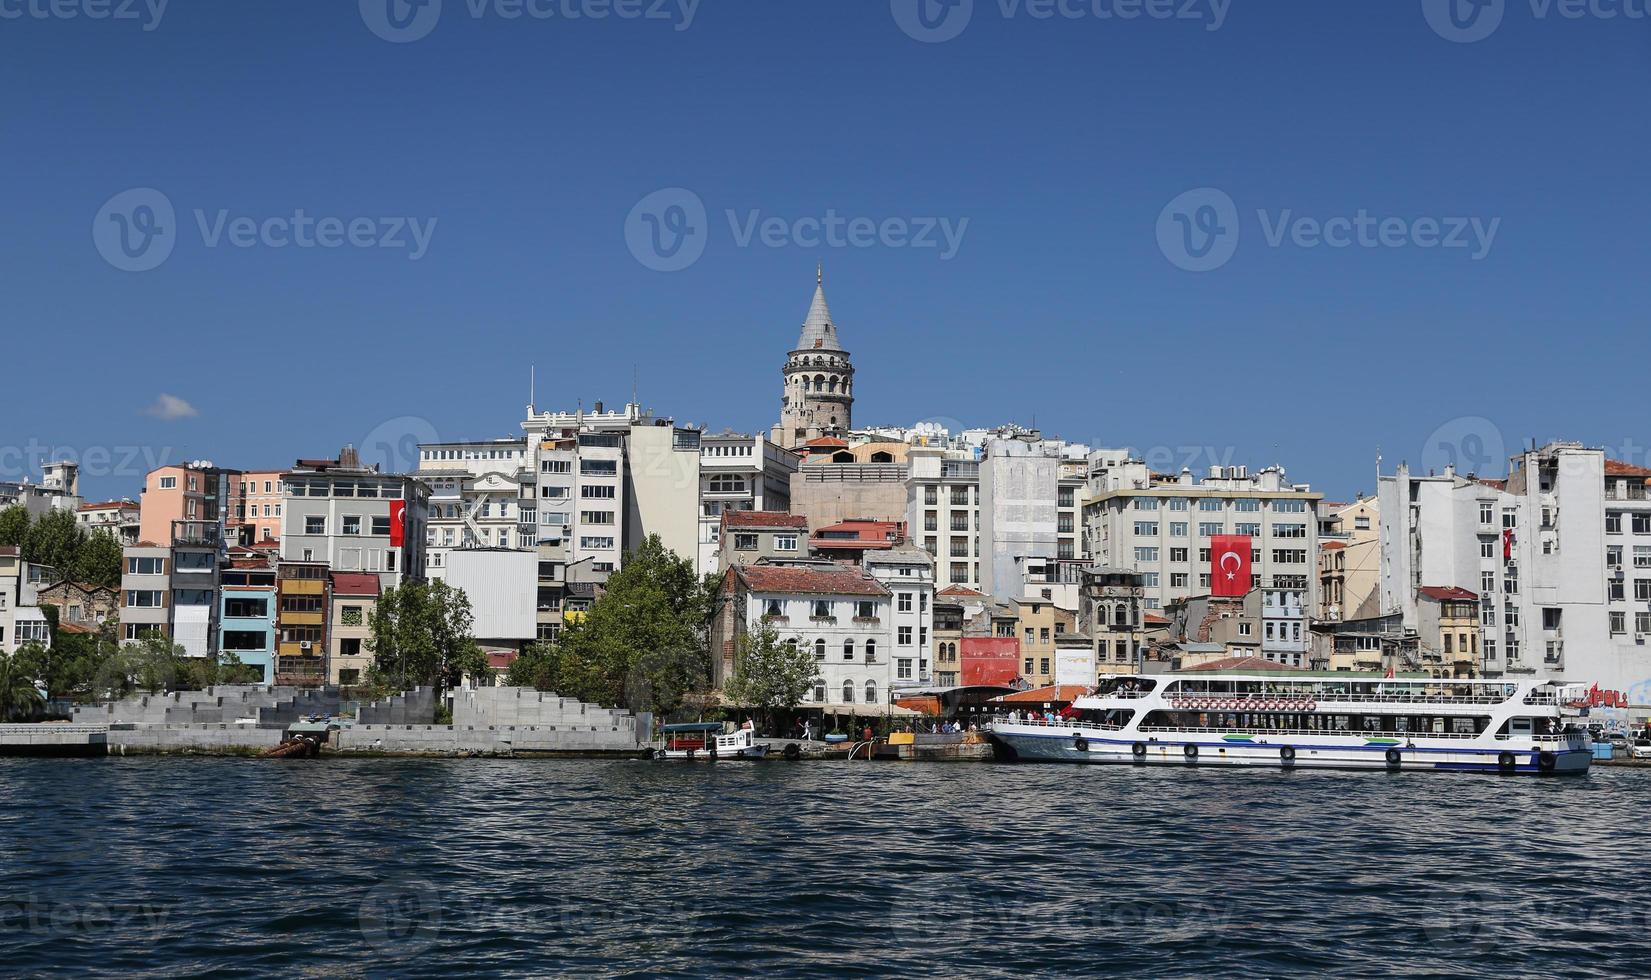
819	274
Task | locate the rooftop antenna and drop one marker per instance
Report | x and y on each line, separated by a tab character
635	398
532	384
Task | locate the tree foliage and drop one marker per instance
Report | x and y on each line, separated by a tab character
98	561
14	526
421	636
770	674
54	540
19	700
643	644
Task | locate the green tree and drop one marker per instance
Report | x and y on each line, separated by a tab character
770	674
54	540
421	636
536	667
643	644
19	700
69	667
155	664
14	526
98	560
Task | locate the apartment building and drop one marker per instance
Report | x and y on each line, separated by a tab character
355	519
21	620
58	489
248	613
185	496
1110	612
302	618
842	613
749	536
1349	560
1161	526
117	517
1558	554
739	472
482	495
943	511
256	501
354	597
908	573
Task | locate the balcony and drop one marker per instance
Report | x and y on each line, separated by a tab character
866	620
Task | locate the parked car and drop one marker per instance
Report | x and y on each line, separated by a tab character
1642	748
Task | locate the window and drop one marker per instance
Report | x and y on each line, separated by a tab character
593	491
599	467
1642	556
1248	530
246	608
315	525
745	541
1487	547
169	483
1642	524
1487	513
905	602
1210	504
1619	623
596	516
819	650
848	649
1613	522
244	640
596	543
1178	503
1146	529
905	636
725	483
871	651
145	599
822	610
1208	530
848	692
819	693
865	609
1146	554
871	690
785	542
352	526
146	566
1289	530
1290	506
1178	529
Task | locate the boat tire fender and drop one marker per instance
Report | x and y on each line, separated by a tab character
1081	744
1394	759
1546	761
1288	754
1506	762
1139	750
793	752
1191	752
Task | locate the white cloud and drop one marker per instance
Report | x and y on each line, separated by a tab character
170	408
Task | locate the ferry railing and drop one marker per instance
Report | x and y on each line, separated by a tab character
1323	698
1242	730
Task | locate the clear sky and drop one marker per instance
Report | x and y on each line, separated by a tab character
1082	290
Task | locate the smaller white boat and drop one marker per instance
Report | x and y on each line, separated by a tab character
704	740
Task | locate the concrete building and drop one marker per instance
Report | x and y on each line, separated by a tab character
746	537
1039	624
21	620
852	541
1019	490
832	492
1349	560
248	613
58	489
256	500
355	519
185	496
117	517
1110	613
818	396
908	573
1559	555
482	495
146	591
739	472
354	597
943	511
1161	526
840	612
301	620
662	487
1447	634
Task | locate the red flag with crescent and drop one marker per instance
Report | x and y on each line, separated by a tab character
398	523
1230	565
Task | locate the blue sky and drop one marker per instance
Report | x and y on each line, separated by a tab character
1060	141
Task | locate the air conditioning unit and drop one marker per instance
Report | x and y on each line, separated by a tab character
304	645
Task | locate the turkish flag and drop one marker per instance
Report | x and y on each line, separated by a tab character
398	522
1230	565
1507	542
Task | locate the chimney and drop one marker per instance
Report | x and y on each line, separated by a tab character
349	458
598	408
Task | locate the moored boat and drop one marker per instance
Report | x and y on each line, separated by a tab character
699	740
1312	720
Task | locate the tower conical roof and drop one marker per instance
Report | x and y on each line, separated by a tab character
819	332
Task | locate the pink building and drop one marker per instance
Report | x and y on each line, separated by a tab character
255	505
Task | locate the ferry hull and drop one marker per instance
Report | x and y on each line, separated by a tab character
1032	745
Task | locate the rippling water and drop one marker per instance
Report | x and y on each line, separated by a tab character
167	867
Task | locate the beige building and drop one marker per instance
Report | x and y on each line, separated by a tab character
749	535
1349	560
1447	632
354	597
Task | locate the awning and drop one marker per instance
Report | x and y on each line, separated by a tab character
863	710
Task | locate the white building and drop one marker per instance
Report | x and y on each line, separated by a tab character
1559	555
739	472
503	587
1161	526
908	573
117	517
839	612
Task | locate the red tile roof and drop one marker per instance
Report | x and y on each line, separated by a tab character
1154	619
839	580
110	505
354	583
78	629
1615	467
1332	545
828	441
9	551
762	518
1242	663
1444	594
867	534
1059	694
962	590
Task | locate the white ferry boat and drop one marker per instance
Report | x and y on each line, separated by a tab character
1311	721
705	741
